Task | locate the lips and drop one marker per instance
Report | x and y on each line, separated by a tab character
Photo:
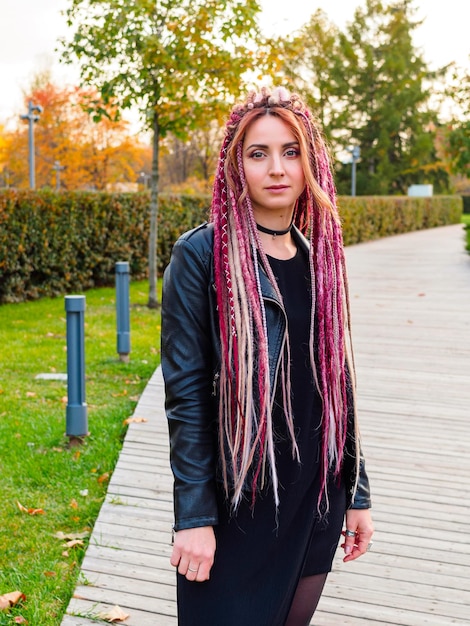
277	187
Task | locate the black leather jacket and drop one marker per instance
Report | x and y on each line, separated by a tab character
190	363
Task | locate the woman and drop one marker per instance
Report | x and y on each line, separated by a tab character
259	380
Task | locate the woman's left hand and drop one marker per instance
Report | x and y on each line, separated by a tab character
359	522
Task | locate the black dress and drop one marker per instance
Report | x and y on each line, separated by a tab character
261	553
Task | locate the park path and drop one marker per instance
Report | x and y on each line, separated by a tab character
410	299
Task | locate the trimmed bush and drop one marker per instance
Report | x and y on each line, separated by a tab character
371	217
51	243
55	243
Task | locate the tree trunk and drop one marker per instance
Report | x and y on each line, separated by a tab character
153	301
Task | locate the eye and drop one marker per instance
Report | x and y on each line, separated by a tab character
256	154
293	152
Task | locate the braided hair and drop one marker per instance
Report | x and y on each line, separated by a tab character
245	400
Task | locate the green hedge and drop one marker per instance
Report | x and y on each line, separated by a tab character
371	217
56	243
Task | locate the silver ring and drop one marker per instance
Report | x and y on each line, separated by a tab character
349	533
191	570
369	546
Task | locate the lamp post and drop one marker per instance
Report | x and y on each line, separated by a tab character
58	169
355	155
144	178
32	117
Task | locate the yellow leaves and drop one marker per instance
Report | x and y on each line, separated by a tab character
11	599
71	536
116	614
119	395
30	511
103	478
72	540
135	420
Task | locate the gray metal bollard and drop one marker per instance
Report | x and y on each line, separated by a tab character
76	412
122	310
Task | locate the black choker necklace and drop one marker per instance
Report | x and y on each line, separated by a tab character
274	233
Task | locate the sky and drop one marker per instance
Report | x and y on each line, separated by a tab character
29	30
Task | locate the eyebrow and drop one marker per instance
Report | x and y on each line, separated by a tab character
266	147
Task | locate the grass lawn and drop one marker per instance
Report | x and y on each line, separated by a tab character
38	470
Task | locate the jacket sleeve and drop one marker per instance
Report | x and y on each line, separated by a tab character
358	495
187	370
361	499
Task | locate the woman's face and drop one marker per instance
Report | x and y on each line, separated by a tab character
273	169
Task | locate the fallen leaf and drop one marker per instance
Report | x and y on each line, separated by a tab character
135	420
104	477
30	394
11	599
74	542
50	574
119	395
421	295
23	509
19	619
116	614
64	399
74	504
65	553
63	536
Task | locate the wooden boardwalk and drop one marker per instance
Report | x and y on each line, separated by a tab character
410	298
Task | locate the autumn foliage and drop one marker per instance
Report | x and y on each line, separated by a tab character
95	155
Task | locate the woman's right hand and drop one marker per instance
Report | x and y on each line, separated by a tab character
193	552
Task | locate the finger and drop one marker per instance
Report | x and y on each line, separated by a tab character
175	556
192	571
204	570
183	565
361	546
349	540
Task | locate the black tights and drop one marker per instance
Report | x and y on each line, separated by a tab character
305	600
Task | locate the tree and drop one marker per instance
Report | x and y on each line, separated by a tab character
457	129
178	61
90	155
194	159
372	89
309	61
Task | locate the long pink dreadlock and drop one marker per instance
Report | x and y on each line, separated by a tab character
245	400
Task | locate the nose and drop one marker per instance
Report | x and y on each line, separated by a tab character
276	166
